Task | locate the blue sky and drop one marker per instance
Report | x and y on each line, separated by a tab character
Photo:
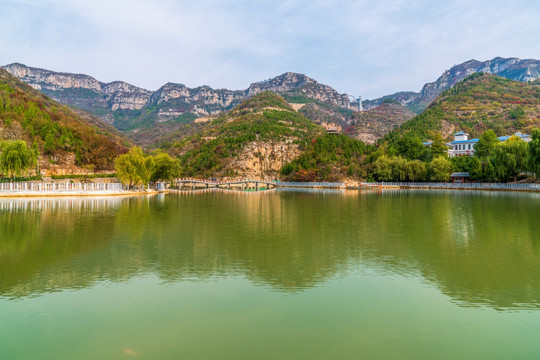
368	48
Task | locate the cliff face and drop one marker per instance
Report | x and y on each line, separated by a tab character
510	68
129	108
83	91
293	84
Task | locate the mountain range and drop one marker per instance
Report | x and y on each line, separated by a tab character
151	117
129	107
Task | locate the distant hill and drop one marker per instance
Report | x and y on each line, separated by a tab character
255	139
138	111
510	68
68	142
371	125
478	103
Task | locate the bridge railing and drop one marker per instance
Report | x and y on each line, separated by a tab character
61	186
442	185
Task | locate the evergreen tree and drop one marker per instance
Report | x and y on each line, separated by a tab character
485	147
50	144
438	147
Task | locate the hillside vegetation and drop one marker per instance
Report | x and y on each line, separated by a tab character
255	138
328	158
369	126
478	103
63	138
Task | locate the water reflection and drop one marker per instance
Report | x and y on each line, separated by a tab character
478	248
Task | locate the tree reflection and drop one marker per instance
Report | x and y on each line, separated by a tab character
478	248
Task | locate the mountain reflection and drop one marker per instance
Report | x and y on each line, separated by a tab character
477	248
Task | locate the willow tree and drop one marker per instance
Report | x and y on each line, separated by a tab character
534	153
165	167
16	158
510	158
134	168
440	169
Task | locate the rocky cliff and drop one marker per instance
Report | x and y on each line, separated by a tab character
83	91
510	68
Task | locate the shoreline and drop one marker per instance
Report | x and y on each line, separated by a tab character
458	188
101	193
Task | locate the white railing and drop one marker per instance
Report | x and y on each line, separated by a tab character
441	185
61	186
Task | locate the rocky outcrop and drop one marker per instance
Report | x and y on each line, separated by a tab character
264	160
302	85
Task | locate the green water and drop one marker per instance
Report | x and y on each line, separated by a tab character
272	275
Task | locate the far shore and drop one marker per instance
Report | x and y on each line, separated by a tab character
506	187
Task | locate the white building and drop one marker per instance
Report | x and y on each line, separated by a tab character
462	145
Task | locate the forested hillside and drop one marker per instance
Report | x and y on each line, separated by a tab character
476	104
64	140
329	158
254	139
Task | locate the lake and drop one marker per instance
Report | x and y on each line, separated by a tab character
280	274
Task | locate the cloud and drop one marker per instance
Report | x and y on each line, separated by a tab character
359	47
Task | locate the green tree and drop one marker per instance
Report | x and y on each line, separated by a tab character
411	148
440	169
165	168
16	158
534	153
485	147
134	168
510	158
517	113
416	170
50	144
438	147
382	168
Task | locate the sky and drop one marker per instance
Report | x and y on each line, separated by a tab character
368	48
